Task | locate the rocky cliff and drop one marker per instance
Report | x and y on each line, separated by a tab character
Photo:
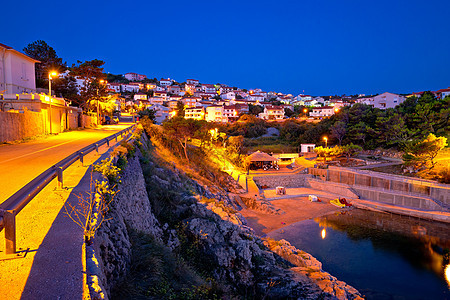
199	226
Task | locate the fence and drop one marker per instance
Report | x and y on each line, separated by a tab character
14	204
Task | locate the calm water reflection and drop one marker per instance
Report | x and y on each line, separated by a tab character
384	256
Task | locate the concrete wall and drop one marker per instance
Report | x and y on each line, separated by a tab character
17	126
397	199
388	184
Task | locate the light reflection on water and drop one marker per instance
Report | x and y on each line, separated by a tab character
384	256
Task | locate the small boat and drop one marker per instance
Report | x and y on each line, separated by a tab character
340	202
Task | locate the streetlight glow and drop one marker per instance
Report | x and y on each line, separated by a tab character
50	75
326	141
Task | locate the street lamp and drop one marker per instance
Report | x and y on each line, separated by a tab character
326	141
98	101
50	75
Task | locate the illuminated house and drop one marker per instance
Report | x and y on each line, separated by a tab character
165	82
214	113
189	88
140	96
320	112
150	86
209	88
114	86
228	96
174	89
226	89
196	113
163	95
17	72
272	113
256	98
191	101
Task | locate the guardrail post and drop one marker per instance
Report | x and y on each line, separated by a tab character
10	231
59	172
81	154
116	137
96	147
107	142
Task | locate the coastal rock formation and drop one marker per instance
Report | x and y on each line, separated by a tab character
203	220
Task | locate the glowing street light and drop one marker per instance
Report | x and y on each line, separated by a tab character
326	141
98	101
336	110
50	75
323	233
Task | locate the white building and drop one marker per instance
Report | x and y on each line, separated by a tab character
320	112
209	88
272	113
192	81
387	100
196	113
130	88
156	100
161	112
214	113
134	76
17	72
140	96
229	96
165	82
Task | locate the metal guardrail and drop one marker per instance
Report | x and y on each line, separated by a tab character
14	204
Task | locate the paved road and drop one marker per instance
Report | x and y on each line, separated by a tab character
20	163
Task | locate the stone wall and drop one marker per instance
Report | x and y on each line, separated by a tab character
131	210
289	181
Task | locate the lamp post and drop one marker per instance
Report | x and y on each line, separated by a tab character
326	142
98	101
50	74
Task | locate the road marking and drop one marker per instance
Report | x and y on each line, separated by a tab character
45	149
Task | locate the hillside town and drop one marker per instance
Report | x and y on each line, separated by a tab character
134	92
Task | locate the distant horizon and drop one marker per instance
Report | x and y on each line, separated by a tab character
326	48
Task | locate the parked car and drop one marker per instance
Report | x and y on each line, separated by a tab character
106	120
115	120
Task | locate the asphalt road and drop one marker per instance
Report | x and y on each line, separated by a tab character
20	163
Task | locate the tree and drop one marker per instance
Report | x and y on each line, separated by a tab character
49	61
420	155
91	72
255	109
350	150
182	129
338	131
180	109
149	113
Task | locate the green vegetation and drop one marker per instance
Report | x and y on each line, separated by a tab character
420	155
158	273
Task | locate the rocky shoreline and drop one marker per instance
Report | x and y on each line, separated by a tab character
206	219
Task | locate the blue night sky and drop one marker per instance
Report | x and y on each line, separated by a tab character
321	47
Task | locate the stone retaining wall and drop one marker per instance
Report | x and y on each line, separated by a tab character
289	181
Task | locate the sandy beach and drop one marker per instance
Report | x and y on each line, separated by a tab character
295	210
